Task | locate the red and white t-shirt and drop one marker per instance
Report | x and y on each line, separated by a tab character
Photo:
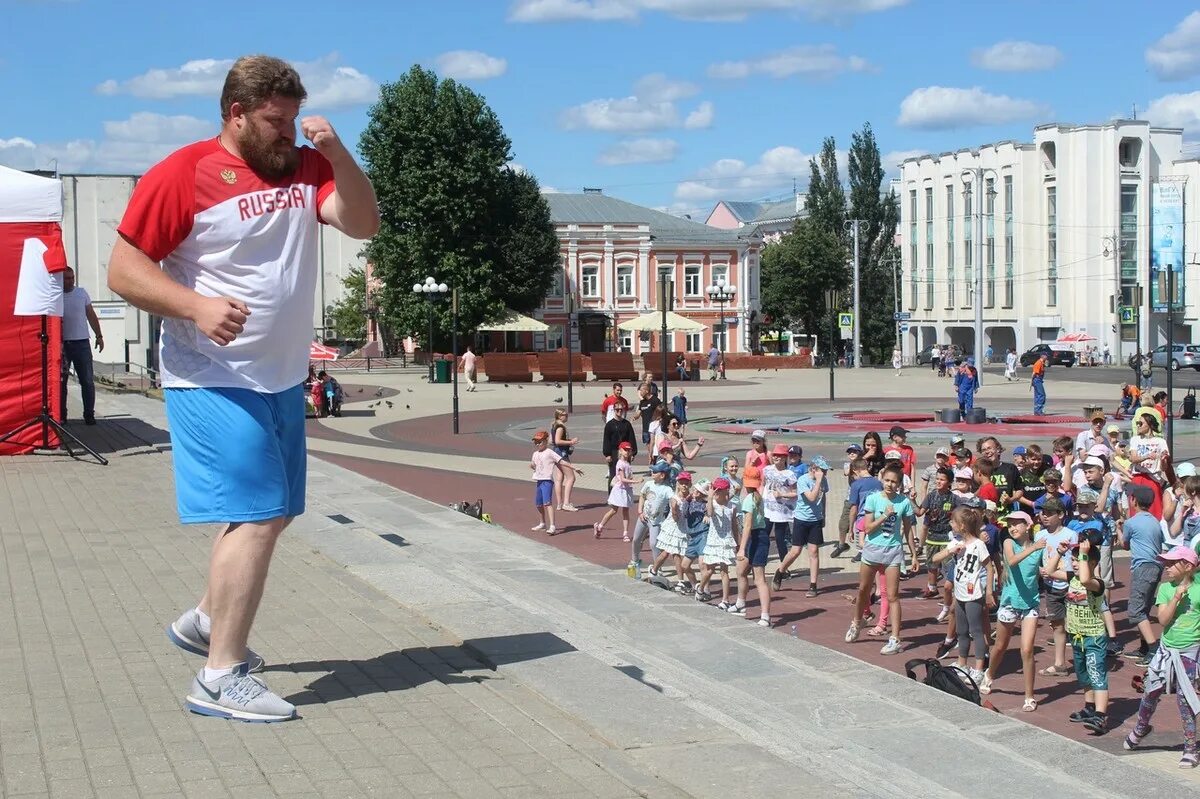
222	230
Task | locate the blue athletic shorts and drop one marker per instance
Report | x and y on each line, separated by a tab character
543	493
240	455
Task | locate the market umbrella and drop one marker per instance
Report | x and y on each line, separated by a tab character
1075	338
319	352
649	322
513	322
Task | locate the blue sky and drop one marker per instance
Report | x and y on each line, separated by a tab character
668	103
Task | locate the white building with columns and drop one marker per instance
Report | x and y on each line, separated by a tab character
1066	239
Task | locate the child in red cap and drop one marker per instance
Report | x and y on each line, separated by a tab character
621	494
542	463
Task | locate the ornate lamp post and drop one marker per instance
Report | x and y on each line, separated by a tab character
721	293
431	290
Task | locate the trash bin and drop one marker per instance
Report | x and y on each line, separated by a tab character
441	371
694	371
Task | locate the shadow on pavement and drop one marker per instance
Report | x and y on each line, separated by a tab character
409	668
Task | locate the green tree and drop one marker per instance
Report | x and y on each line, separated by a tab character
826	199
880	216
348	314
796	272
451	208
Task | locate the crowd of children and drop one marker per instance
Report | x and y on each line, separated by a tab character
1001	545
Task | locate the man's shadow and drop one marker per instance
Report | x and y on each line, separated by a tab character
409	668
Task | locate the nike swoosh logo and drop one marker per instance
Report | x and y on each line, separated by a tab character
213	695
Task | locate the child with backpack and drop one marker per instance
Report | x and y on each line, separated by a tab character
1174	666
1020	599
1085	625
973	577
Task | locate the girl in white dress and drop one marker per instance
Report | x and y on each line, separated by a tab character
720	548
672	540
621	495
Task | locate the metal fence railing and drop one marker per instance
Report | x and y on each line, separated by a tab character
126	375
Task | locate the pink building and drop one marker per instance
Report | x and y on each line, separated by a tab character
771	220
613	253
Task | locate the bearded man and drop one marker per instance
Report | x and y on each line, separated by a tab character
233	222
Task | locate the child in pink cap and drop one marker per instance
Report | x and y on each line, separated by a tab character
1174	667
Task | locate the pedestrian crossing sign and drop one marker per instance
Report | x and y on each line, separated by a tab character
1128	314
846	321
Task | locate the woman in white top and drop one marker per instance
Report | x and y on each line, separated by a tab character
1147	452
897	360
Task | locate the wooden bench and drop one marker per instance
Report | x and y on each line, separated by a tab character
614	366
653	362
553	366
503	367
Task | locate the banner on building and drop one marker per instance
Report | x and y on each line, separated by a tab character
1166	244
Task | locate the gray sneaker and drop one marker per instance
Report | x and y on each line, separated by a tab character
237	696
185	633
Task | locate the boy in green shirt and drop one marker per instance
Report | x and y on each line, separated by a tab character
1085	626
1174	664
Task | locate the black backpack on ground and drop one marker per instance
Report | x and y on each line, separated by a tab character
953	680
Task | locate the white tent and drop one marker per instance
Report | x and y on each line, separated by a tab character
653	321
29	198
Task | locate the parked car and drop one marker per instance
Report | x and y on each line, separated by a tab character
1183	355
1060	354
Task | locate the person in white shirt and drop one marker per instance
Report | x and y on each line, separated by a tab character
468	362
78	316
1092	437
1010	365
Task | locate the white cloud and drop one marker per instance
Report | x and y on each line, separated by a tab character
892	160
652	106
129	146
561	10
550	190
702	117
818	61
639	151
1176	111
470	65
1177	55
731	177
1013	56
329	85
658	87
943	108
709	10
624	115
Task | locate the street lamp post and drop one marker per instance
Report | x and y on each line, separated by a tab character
430	289
663	299
831	304
454	352
721	293
974	175
570	307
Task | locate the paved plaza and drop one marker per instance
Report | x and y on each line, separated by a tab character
434	655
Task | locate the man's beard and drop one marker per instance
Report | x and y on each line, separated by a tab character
264	157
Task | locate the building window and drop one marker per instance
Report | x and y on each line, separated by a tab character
914	274
1130	291
590	284
721	272
968	249
1051	246
557	282
691	280
720	338
990	242
929	247
667	272
554	338
625	341
950	246
693	342
1008	241
625	280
